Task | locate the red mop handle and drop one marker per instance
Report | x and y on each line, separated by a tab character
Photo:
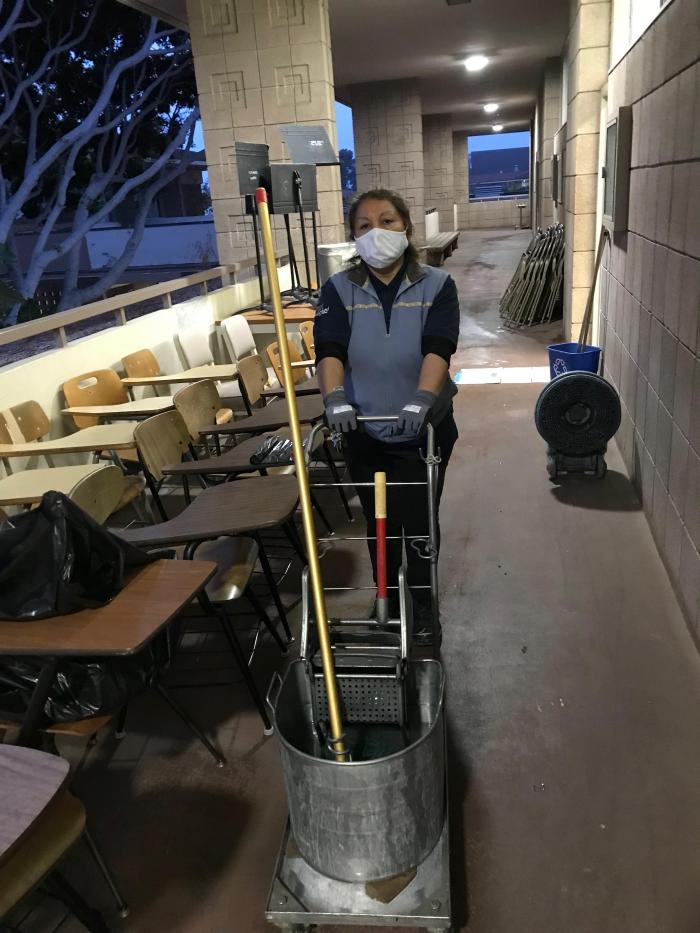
380	521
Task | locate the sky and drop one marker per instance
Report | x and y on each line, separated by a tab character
343	117
498	141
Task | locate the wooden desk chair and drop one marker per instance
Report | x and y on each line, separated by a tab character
240	342
254	379
299	373
200	405
100	387
34	862
104	492
304	384
306	331
141	363
161	440
47	822
197	351
26	421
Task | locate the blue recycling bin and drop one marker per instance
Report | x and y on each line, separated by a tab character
566	358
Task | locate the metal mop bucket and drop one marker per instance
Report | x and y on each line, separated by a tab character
364	820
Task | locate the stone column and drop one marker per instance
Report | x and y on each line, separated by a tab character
460	164
548	124
388	131
439	167
260	64
587	59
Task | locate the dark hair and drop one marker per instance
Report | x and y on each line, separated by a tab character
385	194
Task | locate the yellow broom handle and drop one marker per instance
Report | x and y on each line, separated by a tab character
336	725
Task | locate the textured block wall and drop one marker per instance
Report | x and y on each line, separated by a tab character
259	64
438	161
548	125
388	131
587	59
650	290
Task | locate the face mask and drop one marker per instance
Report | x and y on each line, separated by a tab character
380	248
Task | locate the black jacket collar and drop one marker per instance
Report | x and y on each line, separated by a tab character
359	275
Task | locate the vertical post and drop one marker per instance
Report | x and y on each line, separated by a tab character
380	522
337	739
431	466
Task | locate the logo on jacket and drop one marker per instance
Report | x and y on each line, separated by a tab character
321	310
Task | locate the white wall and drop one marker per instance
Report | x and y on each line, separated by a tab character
182	243
41	377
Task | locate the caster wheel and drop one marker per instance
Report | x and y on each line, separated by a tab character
601	467
552	467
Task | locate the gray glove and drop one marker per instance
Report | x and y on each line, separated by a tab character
413	416
340	414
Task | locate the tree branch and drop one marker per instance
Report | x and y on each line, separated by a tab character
51	55
153	169
92	292
83	131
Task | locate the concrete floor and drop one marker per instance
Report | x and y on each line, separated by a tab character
573	703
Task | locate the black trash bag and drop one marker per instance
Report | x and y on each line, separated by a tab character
86	687
56	559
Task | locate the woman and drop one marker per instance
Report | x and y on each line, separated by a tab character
384	333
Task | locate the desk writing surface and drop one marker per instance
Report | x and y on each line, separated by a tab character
274	415
152	597
29	781
29	486
224	371
295	314
100	437
140	408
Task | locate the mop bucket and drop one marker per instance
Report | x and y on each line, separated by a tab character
364	820
566	358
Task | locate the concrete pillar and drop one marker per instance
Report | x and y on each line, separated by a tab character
460	165
439	166
587	59
260	64
548	124
388	132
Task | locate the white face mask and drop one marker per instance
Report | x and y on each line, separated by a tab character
380	248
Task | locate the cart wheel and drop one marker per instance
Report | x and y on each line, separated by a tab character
601	467
552	466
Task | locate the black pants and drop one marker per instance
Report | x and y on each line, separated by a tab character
407	506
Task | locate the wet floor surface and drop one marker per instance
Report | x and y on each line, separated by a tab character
573	704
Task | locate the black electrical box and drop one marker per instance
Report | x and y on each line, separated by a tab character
281	179
252	161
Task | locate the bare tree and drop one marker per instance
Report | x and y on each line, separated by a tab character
97	108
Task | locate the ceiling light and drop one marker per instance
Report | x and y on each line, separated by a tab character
476	62
497	127
490	108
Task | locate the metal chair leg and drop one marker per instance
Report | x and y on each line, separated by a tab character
90	918
269	577
245	670
191	724
336	479
267	621
122	906
316	505
120	728
294	539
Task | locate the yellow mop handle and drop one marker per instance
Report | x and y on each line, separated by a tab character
336	725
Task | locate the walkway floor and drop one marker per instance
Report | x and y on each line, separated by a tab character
574	704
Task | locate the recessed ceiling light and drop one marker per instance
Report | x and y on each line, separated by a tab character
475	62
490	108
497	127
